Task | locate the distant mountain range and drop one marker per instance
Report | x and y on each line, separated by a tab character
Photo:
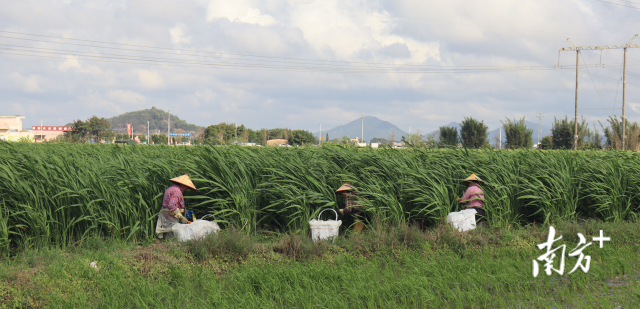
157	119
373	127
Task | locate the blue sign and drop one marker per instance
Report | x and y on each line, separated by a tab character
179	134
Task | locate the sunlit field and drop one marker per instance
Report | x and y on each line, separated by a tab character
66	205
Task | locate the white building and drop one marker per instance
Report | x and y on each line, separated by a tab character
11	128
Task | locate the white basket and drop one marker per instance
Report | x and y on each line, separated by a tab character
322	230
464	220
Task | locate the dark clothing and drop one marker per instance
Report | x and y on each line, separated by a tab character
480	215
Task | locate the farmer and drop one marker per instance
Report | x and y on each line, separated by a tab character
173	205
474	197
350	205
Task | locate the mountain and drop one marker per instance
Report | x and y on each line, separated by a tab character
157	119
493	134
373	127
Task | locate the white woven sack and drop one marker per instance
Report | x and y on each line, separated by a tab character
464	220
322	230
195	230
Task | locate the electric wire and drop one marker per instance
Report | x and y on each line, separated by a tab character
594	83
187	63
619	4
177	49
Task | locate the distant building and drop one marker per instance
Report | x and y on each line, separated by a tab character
277	142
374	145
11	128
47	133
355	140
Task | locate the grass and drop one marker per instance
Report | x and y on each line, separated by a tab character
387	265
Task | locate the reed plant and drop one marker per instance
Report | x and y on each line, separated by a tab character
62	194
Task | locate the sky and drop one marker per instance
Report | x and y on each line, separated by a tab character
302	63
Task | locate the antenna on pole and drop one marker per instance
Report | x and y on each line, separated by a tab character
362	136
539	126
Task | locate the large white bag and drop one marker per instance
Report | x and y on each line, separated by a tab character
464	220
321	230
196	230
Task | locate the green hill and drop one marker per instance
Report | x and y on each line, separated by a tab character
157	119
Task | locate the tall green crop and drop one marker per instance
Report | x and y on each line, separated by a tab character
60	194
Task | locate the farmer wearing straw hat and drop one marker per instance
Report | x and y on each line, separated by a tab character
173	205
350	205
474	196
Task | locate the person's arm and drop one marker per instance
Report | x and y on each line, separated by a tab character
465	196
174	207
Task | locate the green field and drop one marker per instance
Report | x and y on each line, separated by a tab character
66	205
60	194
386	267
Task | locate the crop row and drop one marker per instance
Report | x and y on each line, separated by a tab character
61	193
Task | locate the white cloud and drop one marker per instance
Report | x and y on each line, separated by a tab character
70	62
178	34
243	11
29	84
471	34
126	97
150	79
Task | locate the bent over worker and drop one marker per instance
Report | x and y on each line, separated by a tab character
351	207
474	196
173	205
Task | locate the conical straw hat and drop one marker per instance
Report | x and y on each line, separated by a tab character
473	178
184	180
345	187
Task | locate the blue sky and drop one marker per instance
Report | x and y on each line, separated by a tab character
297	63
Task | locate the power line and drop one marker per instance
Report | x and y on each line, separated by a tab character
183	63
315	62
620	4
174	49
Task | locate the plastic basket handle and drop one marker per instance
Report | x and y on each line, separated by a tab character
208	216
326	210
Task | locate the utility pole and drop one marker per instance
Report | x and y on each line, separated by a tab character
539	126
575	129
362	134
169	129
624	93
624	82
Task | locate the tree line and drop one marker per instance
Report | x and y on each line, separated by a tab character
473	134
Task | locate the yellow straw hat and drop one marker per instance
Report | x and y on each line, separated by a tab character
473	178
345	187
184	180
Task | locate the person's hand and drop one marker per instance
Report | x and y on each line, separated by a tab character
181	210
176	214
